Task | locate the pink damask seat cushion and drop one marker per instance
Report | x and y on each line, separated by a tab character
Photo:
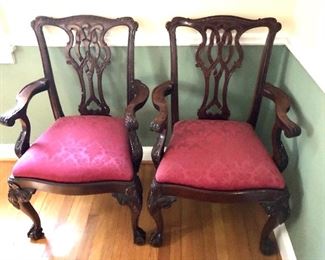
218	155
78	149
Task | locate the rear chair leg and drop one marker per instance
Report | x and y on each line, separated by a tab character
20	198
278	212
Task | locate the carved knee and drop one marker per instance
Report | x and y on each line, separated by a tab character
16	195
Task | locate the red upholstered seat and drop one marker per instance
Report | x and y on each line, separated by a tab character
86	149
218	155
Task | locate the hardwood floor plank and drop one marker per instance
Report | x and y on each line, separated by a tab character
97	227
207	230
219	233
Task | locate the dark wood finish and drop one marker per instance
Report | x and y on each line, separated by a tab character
282	123
95	227
89	54
221	34
19	112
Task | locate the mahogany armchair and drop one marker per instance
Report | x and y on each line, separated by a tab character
89	153
215	158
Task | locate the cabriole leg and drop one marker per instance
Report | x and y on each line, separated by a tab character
156	201
278	212
20	198
133	199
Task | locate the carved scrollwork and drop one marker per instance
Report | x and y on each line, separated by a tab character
121	198
89	54
16	195
278	212
22	143
280	156
157	201
132	197
158	149
131	122
218	55
20	198
161	202
35	232
136	149
156	127
279	208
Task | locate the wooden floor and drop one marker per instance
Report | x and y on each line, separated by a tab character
97	227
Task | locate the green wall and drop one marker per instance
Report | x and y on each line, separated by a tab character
152	67
305	173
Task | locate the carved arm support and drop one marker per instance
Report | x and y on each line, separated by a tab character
160	122
140	96
282	123
19	112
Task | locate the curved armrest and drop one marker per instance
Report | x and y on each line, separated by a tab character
140	96
158	99
19	112
159	124
23	98
282	123
282	106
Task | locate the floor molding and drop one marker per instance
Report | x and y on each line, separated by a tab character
7	152
147	153
284	243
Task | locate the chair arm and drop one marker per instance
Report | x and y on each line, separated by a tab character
140	96
158	99
22	100
282	106
282	123
19	112
159	124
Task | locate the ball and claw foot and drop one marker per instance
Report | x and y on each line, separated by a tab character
35	233
139	237
156	239
268	247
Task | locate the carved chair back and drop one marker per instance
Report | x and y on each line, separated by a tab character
89	53
218	55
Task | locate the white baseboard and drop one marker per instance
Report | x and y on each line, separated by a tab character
147	153
284	243
7	152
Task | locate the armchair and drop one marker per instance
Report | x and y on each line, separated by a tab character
90	153
215	158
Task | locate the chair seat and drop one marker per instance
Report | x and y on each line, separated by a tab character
218	155
77	149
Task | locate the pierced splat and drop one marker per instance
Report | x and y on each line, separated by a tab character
218	55
89	54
